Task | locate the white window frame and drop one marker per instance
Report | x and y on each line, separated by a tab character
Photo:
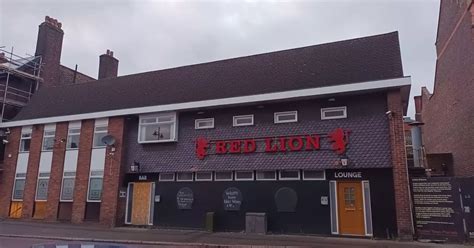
266	179
244	179
324	110
276	115
225	179
27	131
97	132
184	180
72	131
14	185
235	118
89	185
314	179
289	178
166	180
173	131
67	176
37	185
51	130
202	179
197	121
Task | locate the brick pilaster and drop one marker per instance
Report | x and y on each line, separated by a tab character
57	166
9	169
82	171
112	173
400	169
32	171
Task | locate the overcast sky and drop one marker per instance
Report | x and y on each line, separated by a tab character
151	35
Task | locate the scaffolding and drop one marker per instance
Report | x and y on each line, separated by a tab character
19	79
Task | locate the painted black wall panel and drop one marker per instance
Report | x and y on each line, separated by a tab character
258	196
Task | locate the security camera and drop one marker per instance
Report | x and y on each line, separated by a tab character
388	112
4	141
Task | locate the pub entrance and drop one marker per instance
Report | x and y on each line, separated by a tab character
350	208
140	199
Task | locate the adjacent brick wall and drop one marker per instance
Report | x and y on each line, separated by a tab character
112	173
32	171
82	172
448	113
400	170
57	166
9	169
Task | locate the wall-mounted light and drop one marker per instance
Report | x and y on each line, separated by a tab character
135	167
344	160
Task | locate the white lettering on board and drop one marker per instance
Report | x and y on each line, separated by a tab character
342	174
142	177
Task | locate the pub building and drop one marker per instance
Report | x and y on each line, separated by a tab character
309	138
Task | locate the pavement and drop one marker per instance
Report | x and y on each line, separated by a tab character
19	234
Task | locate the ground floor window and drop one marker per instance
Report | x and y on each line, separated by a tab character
204	176
95	186
42	187
289	175
244	175
67	188
19	188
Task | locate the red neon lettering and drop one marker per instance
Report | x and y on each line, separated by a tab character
250	146
312	142
297	146
234	146
269	147
221	147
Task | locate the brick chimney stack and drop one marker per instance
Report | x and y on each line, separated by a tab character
49	46
108	65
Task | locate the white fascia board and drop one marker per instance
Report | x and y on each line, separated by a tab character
344	88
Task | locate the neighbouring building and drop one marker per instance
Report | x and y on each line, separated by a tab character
448	113
312	137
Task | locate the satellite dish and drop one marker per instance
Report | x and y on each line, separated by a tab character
108	140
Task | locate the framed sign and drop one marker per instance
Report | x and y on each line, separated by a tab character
185	198
232	199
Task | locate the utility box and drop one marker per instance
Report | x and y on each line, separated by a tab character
210	221
256	223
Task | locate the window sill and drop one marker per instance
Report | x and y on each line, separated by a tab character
156	141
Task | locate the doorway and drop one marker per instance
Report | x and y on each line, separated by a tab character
140	197
350	208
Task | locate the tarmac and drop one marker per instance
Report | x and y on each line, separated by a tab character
13	233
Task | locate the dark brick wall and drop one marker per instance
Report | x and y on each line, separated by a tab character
369	145
32	171
82	171
57	166
400	170
9	169
448	113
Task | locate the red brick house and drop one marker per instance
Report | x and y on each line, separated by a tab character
448	112
311	137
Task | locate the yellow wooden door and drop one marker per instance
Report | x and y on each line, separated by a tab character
16	208
141	203
350	208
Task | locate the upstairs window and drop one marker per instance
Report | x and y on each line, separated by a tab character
334	113
73	136
204	123
25	139
243	120
48	138
286	117
99	133
157	128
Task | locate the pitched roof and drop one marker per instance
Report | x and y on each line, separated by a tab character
351	61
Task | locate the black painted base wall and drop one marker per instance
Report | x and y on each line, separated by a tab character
259	196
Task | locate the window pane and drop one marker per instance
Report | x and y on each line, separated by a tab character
293	174
67	189
48	143
185	176
156	132
26	135
314	174
166	176
49	133
204	123
101	129
165	118
18	190
243	121
73	141
266	175
98	139
224	175
203	175
42	190
148	120
25	145
95	189
244	175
